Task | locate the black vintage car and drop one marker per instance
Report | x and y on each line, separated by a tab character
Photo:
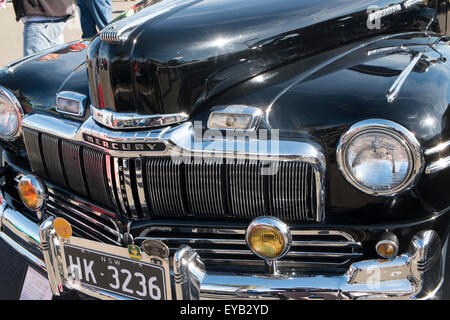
235	149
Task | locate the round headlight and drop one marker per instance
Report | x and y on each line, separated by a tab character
11	114
380	157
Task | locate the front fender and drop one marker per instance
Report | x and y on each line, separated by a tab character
36	79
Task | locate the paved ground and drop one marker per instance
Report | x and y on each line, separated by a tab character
11	46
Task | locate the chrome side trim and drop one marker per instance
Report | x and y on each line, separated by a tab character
116	120
404	135
398	83
439	148
439	165
410	3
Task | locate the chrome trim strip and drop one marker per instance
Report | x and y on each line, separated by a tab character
24	252
439	148
86	229
196	237
119	186
398	83
99	224
140	185
72	96
242	242
109	180
21	226
128	188
410	3
116	120
439	165
402	134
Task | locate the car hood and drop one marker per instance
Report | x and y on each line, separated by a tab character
176	54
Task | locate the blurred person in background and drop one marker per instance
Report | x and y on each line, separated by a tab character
44	22
2	4
94	16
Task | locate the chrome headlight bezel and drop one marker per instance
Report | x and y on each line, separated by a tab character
395	131
19	113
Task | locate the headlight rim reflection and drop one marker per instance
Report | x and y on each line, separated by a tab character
395	131
9	97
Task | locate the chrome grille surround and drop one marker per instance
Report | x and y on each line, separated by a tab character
226	246
122	163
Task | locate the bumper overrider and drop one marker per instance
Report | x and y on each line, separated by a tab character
415	274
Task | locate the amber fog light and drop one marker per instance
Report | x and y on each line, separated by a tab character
387	246
268	238
32	192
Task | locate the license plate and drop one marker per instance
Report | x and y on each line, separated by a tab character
110	270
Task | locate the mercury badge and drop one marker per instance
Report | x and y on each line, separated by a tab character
155	248
134	252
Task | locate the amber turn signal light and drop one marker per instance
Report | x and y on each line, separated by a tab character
268	238
387	246
32	192
62	228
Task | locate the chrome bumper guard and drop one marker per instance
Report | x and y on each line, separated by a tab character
416	274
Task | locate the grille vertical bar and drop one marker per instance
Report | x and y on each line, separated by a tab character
290	191
204	188
246	185
164	181
140	169
74	173
50	148
126	164
94	165
31	139
120	187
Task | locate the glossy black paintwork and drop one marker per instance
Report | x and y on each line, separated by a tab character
36	81
305	63
176	62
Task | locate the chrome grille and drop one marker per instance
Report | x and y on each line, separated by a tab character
221	246
142	188
87	220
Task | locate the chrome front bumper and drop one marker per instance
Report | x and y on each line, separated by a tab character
416	274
